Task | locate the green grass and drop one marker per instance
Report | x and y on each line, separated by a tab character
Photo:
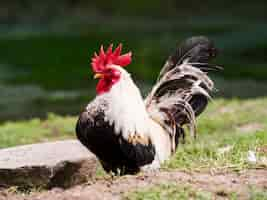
168	191
258	194
236	125
36	130
180	192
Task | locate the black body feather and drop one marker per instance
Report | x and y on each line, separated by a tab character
115	153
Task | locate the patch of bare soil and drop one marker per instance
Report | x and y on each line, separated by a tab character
262	149
220	184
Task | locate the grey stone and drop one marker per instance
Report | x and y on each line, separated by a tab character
53	164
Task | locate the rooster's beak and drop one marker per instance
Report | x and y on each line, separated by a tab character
98	75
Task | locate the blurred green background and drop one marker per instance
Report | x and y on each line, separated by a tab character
46	46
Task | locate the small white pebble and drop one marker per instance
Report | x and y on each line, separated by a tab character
251	157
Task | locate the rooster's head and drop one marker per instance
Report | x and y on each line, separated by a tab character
107	65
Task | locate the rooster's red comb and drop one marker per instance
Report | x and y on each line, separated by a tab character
99	62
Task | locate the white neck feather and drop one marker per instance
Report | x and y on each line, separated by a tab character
126	108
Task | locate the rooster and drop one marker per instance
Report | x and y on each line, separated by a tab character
128	133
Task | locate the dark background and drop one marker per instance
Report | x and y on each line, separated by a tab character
46	46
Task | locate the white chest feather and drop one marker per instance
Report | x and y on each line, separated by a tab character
126	108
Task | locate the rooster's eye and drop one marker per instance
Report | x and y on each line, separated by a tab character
109	70
112	72
116	73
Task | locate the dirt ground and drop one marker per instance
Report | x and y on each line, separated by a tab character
220	184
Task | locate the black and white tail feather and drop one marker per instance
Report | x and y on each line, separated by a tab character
182	90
